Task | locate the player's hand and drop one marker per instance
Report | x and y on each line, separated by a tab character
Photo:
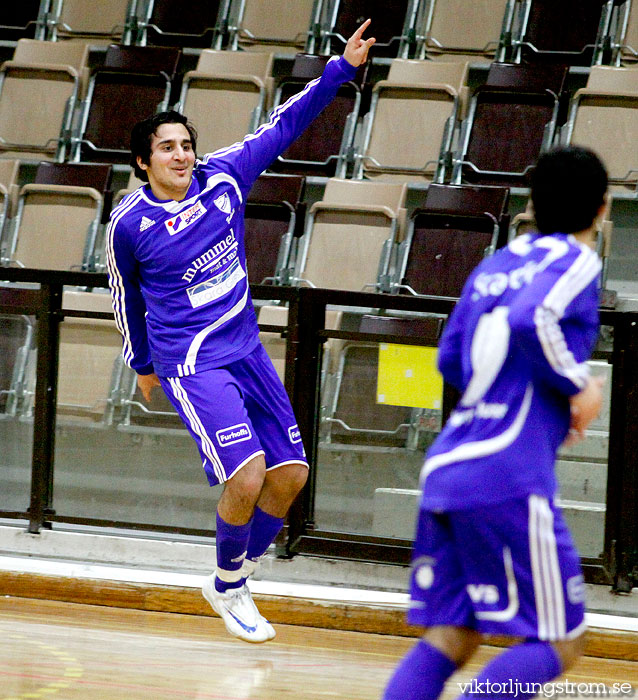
585	407
146	382
356	51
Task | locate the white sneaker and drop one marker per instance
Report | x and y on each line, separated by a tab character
239	612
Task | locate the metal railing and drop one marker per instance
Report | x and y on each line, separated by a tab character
305	336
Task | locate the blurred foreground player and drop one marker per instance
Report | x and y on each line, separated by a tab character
492	553
177	271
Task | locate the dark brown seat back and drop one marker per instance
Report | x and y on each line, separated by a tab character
177	23
271	205
562	32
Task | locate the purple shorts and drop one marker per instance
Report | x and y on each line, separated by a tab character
505	569
236	413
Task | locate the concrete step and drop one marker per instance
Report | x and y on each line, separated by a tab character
395	512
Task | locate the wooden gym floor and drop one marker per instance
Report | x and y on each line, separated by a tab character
72	651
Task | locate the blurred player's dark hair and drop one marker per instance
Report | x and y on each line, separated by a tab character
568	187
142	135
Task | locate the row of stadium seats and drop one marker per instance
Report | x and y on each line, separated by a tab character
570	31
429	254
420	124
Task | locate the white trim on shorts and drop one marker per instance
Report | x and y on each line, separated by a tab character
289	461
208	447
546	575
243	464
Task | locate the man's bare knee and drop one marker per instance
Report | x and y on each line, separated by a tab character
241	492
457	643
570	650
281	487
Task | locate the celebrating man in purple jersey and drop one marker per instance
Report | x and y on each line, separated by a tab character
177	270
492	553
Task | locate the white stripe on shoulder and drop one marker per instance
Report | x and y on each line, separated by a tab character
581	273
125	201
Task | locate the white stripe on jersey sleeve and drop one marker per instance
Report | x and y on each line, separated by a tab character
118	293
270	124
548	314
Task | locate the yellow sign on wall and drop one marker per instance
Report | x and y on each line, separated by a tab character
408	376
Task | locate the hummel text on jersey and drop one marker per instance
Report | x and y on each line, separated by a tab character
236	433
211	256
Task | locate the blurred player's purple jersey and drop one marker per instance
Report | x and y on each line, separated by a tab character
516	346
177	270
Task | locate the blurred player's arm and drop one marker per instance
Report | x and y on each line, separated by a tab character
449	358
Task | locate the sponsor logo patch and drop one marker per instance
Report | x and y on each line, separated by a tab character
294	434
234	434
215	287
186	218
146	223
483	593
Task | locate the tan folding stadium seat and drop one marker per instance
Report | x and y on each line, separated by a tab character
56	227
63	53
448	27
603	115
36	109
351	235
226	82
89	351
70	19
413	117
258	24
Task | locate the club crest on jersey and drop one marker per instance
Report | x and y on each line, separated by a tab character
186	218
236	433
223	203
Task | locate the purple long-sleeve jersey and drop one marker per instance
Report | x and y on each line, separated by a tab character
516	346
177	270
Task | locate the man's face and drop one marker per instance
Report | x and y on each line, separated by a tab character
171	163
